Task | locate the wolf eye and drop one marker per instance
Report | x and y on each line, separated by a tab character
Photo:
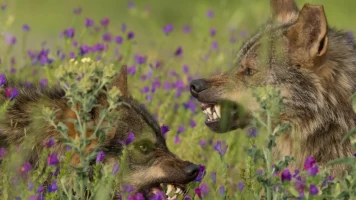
145	147
249	72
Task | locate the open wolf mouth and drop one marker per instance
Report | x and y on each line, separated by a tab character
224	116
171	191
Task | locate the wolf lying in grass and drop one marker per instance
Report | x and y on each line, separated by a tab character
315	67
150	163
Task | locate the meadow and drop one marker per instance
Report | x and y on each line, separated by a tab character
165	45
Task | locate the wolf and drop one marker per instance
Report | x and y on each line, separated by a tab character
151	164
315	68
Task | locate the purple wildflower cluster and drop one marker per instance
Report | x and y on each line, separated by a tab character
10	93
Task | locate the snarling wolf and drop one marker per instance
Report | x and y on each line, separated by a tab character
151	164
315	67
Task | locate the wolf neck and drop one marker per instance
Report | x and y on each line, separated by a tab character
320	124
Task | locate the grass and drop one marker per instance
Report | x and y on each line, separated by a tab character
233	20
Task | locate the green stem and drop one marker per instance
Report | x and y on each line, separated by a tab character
269	157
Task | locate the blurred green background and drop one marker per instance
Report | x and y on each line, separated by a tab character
47	18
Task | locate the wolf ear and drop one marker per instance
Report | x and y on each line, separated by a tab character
120	81
310	31
284	11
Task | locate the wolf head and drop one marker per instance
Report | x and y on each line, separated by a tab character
314	66
148	163
151	165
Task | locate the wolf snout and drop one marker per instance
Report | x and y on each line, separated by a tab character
192	171
197	86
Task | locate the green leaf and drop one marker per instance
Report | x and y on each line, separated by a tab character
348	161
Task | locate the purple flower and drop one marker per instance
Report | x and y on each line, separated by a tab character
53	187
202	142
107	37
32	197
212	32
118	40
3	7
26	168
178	51
220	149
123	27
164	130
241	186
44	82
312	171
100	156
2	79
296	172
190	105
204	189
98	47
77	11
198	192
214	45
185	68
40	189
222	190
146	89
201	174
30	185
127	188
180	129
55	173
213	177
68	33
251	132
187	197
84	49
140	59
11	93
309	162
130	138
89	22
286	175
192	123
130	35
71	54
52	159
186	29
26	28
28	84
10	39
3	153
167	86
131	70
210	14
115	169
168	28
177	140
325	182
105	21
313	189
131	4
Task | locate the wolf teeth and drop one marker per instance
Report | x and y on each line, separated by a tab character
215	116
217	110
178	191
209	111
169	189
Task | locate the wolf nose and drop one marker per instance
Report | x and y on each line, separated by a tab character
197	86
192	170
